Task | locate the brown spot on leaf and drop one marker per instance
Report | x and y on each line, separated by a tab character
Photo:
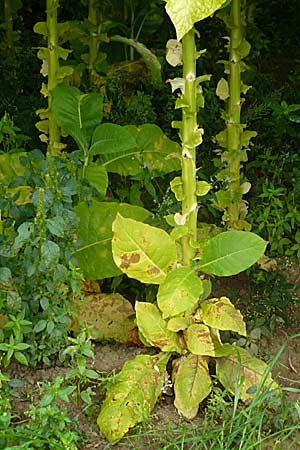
153	270
127	260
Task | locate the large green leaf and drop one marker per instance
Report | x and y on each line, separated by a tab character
231	252
198	340
179	292
192	384
142	252
243	370
184	13
94	255
152	150
154	328
132	396
97	177
78	114
220	313
110	139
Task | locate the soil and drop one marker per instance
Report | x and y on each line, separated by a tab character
110	357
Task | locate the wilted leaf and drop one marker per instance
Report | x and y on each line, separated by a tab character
174	52
248	368
222	89
94	256
221	314
107	316
132	396
154	328
179	292
142	252
231	252
198	340
192	384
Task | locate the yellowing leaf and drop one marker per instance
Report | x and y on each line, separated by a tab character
177	323
154	328
142	252
192	384
184	13
249	369
107	316
221	314
132	395
222	89
199	341
202	188
179	292
174	52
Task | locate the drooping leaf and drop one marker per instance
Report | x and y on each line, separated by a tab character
221	314
199	341
107	316
192	384
132	396
78	114
179	292
110	140
94	256
152	150
154	328
247	368
185	13
231	252
141	251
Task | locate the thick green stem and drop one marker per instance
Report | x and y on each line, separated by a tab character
234	108
189	128
9	28
53	66
94	41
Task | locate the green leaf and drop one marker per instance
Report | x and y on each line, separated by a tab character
94	255
202	188
56	226
11	167
21	358
132	396
231	252
111	139
5	276
78	114
177	188
221	314
198	340
192	384
40	326
97	177
248	368
223	89
142	252
179	292
153	150
154	328
184	13
50	253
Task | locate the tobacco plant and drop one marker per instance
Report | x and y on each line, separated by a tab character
234	140
184	322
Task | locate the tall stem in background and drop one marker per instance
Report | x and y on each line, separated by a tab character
234	108
9	28
54	131
93	18
189	127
